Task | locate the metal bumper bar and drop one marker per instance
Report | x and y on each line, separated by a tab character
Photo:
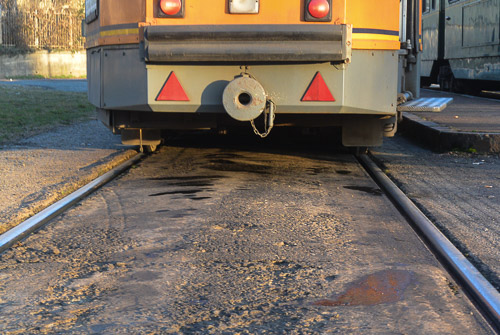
248	43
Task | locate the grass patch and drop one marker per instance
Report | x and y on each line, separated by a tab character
33	76
26	111
68	77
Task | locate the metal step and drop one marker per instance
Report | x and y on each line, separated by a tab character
425	105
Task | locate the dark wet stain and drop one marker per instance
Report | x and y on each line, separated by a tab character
221	161
179	215
142	290
153	255
198	183
285	267
185	192
189	181
386	286
343	172
317	170
188	178
282	263
331	278
145	276
367	189
181	210
199	198
232	166
223	155
243	189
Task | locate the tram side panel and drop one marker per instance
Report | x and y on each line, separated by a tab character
430	39
462	44
472	39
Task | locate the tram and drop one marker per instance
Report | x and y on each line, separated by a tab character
155	65
461	41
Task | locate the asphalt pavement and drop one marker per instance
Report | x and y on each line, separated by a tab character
205	237
469	123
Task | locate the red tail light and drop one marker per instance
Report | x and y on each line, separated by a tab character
171	8
318	10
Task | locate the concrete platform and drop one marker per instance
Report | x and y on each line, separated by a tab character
468	123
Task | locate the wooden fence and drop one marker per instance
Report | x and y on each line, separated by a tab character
41	30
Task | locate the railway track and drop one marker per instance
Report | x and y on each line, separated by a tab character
35	222
484	296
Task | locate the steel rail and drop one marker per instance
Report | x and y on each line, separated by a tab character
486	296
25	228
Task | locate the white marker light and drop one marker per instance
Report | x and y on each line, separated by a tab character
244	6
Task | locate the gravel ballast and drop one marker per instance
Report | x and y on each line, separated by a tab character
40	170
458	191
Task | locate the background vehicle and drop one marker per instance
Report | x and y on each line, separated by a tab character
461	44
182	64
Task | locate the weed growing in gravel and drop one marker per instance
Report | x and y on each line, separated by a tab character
26	111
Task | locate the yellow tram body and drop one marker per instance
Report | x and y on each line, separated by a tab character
149	71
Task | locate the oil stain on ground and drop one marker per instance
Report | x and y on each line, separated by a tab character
366	189
189	181
184	192
227	165
386	286
190	185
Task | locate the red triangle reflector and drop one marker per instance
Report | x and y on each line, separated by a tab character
172	90
318	90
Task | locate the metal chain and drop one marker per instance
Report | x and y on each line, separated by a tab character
268	116
271	106
141	148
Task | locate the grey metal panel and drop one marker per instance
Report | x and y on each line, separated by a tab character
94	76
245	52
368	85
472	39
371	82
480	23
430	38
426	68
247	43
479	68
472	29
244	33
285	84
124	79
362	131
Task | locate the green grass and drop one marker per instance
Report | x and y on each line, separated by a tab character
68	77
26	111
34	76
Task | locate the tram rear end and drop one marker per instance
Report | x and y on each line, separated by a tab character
191	64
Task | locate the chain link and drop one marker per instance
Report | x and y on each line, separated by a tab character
271	107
